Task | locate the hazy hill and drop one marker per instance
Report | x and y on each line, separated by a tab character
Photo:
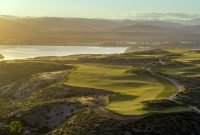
158	23
193	22
11	25
194	28
14	32
78	31
151	28
70	24
81	24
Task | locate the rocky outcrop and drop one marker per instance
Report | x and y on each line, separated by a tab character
25	87
87	122
49	116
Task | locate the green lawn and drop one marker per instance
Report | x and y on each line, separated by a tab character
131	88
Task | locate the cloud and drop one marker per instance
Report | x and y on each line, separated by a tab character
156	15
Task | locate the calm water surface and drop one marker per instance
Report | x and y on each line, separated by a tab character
28	51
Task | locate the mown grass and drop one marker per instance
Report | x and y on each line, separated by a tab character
192	70
130	89
189	57
190	66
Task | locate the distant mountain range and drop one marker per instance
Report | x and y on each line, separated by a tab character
64	31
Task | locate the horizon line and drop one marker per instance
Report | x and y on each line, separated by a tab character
93	18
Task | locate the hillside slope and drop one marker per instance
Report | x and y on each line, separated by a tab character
120	94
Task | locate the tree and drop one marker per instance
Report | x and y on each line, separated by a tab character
15	127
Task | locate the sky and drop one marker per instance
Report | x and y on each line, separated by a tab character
109	9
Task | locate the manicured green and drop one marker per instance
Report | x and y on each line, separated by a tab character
130	88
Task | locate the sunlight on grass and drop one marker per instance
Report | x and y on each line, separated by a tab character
131	88
191	67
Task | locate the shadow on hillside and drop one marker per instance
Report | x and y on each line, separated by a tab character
121	97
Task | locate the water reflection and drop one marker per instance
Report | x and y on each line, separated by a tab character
28	51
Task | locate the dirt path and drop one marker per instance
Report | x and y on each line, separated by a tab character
178	86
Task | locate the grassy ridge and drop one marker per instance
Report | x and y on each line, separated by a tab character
11	71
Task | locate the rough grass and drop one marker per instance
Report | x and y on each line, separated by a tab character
11	71
130	88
